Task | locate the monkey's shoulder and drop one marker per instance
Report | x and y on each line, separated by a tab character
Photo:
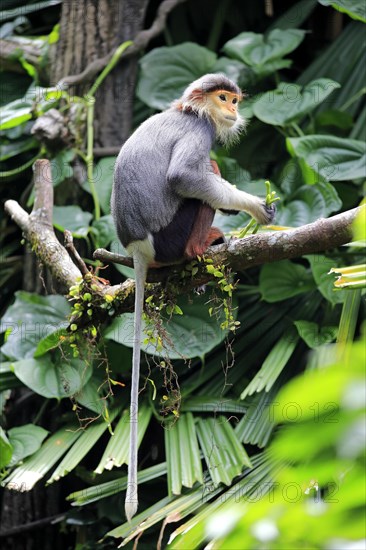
172	125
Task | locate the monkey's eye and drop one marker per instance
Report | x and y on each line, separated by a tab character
222	97
235	101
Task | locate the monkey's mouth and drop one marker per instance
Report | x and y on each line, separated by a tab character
232	118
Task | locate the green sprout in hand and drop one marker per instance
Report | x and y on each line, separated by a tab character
253	225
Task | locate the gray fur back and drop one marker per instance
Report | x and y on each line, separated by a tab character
142	201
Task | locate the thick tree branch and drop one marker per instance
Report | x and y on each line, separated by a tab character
240	254
324	234
140	42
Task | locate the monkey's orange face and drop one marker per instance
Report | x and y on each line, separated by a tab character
223	106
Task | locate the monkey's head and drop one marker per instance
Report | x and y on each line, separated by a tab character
215	97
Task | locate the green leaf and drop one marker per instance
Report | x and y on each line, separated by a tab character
8	380
314	335
183	455
61	167
233	69
225	456
273	364
31	319
168	507
320	267
350	277
291	102
91	395
117	450
51	341
258	50
256	426
105	230
354	8
359	225
81	447
308	204
212	404
334	117
192	334
58	380
285	279
294	16
103	490
167	71
330	158
15	113
103	180
25	476
72	218
16	147
25	440
6	450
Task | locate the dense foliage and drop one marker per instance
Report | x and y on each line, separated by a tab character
250	438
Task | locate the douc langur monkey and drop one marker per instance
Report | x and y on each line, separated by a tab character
165	194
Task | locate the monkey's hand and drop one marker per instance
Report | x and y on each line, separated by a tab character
266	214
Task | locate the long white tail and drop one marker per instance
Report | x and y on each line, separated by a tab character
131	502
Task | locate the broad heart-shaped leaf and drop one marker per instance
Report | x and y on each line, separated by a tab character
284	279
72	218
25	440
257	50
103	180
30	319
49	379
314	335
235	70
310	202
192	334
167	71
329	158
6	450
290	102
51	341
61	166
104	230
354	8
320	267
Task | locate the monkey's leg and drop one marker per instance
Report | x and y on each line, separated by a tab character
203	234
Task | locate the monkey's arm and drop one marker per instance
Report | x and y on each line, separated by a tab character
191	175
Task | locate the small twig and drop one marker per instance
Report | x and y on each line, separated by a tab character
75	256
111	257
